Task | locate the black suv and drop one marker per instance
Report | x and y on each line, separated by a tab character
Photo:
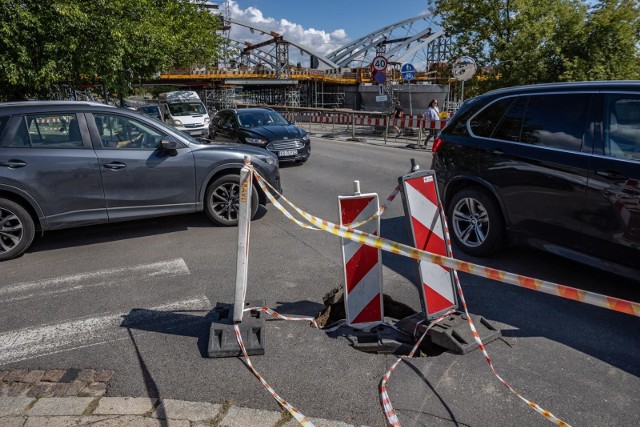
262	127
69	164
554	166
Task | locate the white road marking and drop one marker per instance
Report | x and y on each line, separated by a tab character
108	277
43	340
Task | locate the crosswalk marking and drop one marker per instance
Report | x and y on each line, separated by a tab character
61	285
31	342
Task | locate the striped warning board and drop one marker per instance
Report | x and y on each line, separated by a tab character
421	202
362	263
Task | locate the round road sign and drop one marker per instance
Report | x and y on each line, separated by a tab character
379	63
408	71
380	77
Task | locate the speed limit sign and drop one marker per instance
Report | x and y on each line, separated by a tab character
379	63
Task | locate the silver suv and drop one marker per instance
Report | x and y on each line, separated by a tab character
70	164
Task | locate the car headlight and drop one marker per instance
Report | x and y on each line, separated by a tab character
177	123
270	159
206	120
255	141
305	137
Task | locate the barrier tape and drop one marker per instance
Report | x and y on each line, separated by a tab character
599	300
382	208
615	304
293	411
545	413
389	412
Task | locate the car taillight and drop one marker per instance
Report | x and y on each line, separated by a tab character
436	144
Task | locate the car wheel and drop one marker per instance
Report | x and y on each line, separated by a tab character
222	200
476	222
16	230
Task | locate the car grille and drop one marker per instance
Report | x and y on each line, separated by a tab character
285	145
193	125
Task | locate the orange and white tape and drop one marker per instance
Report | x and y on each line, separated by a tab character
286	405
623	306
389	412
611	303
545	413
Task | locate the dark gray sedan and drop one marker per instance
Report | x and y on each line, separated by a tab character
69	164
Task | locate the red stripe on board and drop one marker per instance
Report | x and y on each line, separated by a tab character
351	208
427	189
427	240
371	313
435	301
360	264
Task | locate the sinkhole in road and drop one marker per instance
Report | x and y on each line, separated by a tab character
381	339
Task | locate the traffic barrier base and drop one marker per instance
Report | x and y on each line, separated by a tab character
382	339
222	334
452	332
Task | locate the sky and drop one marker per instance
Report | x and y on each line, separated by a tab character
323	25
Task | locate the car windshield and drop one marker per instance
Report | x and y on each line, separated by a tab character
249	119
187	109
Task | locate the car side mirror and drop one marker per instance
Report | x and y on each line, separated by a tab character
169	144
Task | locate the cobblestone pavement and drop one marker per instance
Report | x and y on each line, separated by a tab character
76	397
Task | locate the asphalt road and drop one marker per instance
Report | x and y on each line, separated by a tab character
134	297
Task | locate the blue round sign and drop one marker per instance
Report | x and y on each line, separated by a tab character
408	71
380	77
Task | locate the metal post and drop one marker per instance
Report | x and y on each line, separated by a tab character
353	126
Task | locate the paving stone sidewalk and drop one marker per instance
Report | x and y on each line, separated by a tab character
76	397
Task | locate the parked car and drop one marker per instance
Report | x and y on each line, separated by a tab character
262	127
554	166
69	164
151	110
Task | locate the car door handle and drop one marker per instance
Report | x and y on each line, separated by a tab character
114	165
13	164
612	175
496	151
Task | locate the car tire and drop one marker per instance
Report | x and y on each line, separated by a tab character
16	230
222	201
475	222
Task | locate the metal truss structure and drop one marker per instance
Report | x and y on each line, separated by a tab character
416	40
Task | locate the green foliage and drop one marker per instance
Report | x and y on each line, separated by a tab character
44	43
534	41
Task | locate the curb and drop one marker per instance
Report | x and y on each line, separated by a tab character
139	411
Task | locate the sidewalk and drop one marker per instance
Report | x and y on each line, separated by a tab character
138	411
75	397
407	139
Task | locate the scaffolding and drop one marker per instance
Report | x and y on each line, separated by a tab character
220	98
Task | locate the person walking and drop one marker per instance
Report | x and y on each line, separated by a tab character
398	114
432	115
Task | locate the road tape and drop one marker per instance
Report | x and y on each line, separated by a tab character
545	413
293	411
348	232
615	304
389	412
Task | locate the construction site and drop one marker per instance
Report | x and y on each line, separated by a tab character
273	70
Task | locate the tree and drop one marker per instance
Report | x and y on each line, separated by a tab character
117	43
534	41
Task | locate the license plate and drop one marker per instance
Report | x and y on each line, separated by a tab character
285	153
195	132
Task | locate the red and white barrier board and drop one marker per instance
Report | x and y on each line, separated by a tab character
421	202
362	263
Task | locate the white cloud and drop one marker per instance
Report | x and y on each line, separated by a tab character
313	39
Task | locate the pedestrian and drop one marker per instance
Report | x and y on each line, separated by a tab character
397	114
432	115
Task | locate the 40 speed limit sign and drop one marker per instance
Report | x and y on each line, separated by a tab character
379	63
